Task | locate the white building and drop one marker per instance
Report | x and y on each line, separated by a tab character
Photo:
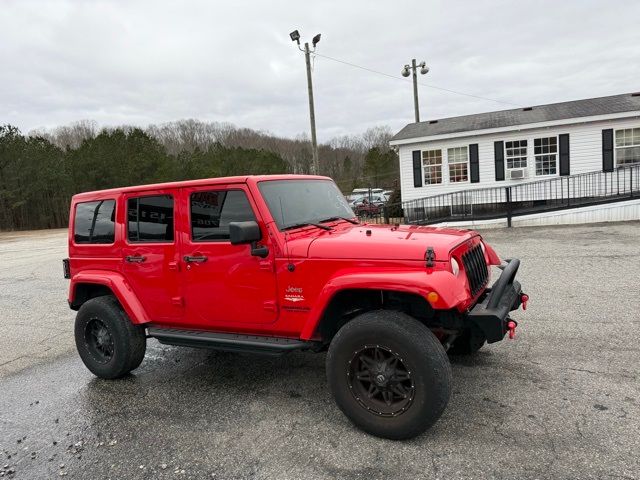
511	147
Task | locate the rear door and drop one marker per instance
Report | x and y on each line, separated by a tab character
224	285
150	255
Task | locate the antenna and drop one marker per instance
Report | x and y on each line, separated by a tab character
290	266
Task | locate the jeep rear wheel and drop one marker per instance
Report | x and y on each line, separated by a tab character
109	345
389	374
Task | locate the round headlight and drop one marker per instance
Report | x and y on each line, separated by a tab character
455	268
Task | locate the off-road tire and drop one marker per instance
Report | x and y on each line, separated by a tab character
469	342
420	351
129	341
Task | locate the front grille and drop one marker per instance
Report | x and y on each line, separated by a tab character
476	269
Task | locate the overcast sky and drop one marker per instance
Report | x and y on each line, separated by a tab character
141	62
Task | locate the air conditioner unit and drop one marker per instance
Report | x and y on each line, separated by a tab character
517	173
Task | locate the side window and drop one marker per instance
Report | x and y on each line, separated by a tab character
516	151
545	151
432	166
95	222
150	219
458	159
211	213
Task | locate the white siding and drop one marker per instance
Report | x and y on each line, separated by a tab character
585	151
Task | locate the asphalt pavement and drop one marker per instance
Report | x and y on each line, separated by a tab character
560	401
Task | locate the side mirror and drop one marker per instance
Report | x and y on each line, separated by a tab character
241	233
244	232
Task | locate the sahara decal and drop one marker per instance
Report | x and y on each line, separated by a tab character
293	294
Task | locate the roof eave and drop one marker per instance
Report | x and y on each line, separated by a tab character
514	128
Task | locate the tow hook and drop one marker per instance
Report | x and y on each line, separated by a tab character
511	326
524	298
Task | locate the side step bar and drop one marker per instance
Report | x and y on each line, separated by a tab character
228	341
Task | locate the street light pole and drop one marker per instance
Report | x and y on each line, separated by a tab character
414	70
295	37
415	90
312	113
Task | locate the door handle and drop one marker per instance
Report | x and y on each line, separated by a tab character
195	259
135	258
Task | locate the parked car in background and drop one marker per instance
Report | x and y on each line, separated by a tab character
360	193
377	199
365	208
366	191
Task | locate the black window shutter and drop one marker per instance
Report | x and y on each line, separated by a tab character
498	148
565	169
417	168
607	150
474	163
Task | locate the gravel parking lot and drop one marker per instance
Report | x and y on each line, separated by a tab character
561	401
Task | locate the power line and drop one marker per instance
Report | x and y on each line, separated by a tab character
423	84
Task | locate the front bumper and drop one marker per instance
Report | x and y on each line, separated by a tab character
491	312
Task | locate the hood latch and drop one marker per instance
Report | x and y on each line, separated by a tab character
430	256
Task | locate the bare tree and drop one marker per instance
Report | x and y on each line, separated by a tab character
377	137
342	157
69	137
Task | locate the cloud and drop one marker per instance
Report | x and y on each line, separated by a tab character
151	62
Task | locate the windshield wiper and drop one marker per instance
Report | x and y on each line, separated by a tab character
346	219
304	224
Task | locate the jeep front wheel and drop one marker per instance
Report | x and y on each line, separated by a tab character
389	374
109	345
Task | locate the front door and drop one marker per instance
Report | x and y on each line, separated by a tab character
150	256
224	284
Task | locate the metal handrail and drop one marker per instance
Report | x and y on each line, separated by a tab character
532	197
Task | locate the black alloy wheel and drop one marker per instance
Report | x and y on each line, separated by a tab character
99	340
389	374
380	381
109	344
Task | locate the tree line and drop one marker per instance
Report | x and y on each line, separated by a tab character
41	170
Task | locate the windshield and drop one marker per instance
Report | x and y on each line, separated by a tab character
303	202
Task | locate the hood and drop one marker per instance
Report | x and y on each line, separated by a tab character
380	242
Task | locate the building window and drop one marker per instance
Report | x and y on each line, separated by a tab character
516	153
458	164
545	151
432	166
627	146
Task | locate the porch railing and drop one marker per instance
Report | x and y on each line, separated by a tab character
514	200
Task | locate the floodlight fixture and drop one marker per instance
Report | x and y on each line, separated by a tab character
413	68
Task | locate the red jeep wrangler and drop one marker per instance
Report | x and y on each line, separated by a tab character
272	264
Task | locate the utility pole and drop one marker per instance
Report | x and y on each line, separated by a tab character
415	90
414	69
295	37
312	113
